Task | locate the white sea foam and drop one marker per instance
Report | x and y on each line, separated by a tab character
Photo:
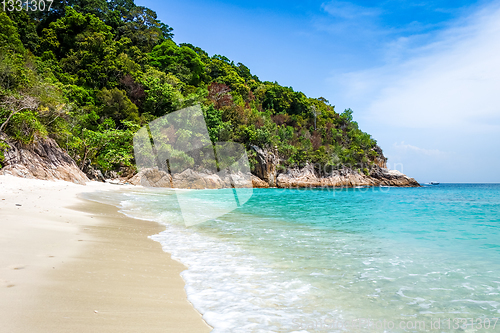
229	286
232	288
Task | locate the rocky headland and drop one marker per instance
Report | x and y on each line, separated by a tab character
44	159
265	174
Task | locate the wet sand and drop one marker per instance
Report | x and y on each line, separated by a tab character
69	265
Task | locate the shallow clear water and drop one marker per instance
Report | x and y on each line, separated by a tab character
317	260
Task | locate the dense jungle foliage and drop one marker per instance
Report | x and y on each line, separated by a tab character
90	73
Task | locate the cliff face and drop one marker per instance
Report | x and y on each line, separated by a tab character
266	166
379	175
307	177
43	159
380	160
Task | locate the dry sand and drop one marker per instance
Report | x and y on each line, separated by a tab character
68	265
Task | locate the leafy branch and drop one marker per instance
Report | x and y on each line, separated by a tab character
18	104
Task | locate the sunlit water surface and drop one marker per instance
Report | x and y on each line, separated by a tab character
320	260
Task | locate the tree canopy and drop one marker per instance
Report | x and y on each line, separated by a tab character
97	70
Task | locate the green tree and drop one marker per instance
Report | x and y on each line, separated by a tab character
85	47
107	147
26	26
143	28
9	36
182	61
216	127
284	100
161	97
222	71
116	105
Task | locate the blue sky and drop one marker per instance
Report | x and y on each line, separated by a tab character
421	76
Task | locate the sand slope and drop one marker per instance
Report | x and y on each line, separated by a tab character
86	268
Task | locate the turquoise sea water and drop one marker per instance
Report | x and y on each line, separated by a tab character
317	260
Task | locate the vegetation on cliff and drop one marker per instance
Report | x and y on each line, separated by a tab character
89	74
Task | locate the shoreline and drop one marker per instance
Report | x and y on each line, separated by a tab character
69	264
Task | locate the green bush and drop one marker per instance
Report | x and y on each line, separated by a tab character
26	127
3	147
117	106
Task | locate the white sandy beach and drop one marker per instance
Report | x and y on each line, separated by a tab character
68	265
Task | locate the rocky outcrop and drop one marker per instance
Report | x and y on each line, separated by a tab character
307	177
293	178
190	179
388	177
266	174
151	178
198	180
266	167
46	160
43	159
259	183
94	174
380	160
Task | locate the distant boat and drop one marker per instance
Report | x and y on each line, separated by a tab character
434	183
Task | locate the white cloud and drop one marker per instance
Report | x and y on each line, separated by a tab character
405	148
444	95
451	83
